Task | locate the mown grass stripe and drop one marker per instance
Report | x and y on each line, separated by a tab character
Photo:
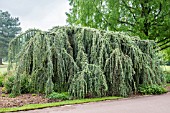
62	103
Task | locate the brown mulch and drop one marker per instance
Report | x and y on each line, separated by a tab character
21	100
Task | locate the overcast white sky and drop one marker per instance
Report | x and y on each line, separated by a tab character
41	14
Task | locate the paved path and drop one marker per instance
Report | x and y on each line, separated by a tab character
147	104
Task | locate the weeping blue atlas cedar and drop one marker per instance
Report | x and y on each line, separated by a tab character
84	62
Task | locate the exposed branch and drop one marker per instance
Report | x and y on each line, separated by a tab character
165	47
160	41
164	43
125	22
160	17
160	9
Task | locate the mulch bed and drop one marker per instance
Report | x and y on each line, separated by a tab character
21	100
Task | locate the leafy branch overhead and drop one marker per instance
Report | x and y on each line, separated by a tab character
148	19
84	62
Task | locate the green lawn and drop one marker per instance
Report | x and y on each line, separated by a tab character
3	68
166	68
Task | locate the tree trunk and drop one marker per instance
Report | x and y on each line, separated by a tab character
0	61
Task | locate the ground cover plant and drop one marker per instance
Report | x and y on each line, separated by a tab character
84	62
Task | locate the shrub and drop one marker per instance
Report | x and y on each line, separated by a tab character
167	77
3	95
4	90
12	95
5	74
151	89
25	87
1	80
34	94
9	84
61	96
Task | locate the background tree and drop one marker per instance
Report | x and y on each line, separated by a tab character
148	19
9	27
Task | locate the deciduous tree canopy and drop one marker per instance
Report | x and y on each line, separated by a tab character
148	19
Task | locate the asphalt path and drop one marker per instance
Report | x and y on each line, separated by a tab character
144	104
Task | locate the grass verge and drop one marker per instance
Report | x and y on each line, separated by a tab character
168	84
68	102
